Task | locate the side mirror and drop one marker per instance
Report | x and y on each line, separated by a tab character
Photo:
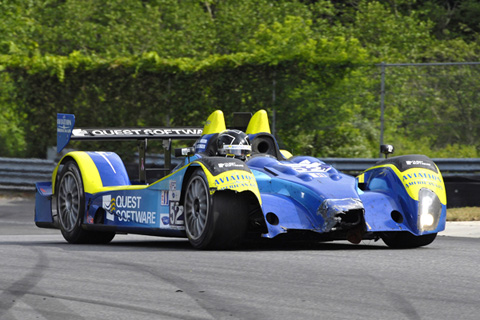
185	152
386	149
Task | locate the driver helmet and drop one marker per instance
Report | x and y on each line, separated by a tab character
234	143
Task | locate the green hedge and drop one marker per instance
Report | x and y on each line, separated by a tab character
149	90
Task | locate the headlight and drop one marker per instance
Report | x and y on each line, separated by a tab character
429	210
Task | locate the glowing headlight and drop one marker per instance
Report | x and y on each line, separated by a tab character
429	210
426	220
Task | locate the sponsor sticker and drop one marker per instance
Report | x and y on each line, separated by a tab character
174	195
79	133
164	198
422	177
144	132
127	209
235	181
108	203
417	163
64	125
176	216
164	220
318	175
230	165
416	178
309	167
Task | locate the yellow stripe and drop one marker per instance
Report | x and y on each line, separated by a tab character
361	178
286	154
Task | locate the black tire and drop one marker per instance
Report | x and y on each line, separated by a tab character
213	222
71	208
406	240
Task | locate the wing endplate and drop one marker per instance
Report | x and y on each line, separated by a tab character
65	124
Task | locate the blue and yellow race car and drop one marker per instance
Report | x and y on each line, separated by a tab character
236	184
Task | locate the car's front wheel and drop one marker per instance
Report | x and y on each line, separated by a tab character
217	221
71	207
405	240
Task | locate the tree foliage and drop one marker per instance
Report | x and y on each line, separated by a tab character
311	64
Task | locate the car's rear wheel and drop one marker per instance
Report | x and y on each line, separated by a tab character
217	221
71	207
405	240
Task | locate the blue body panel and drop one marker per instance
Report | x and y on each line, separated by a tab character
389	194
295	189
156	207
291	214
43	202
111	168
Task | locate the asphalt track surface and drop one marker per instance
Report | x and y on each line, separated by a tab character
138	277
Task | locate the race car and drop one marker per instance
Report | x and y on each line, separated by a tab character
236	184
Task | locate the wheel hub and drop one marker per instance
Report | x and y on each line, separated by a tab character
68	201
196	206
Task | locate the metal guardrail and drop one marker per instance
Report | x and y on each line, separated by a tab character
22	174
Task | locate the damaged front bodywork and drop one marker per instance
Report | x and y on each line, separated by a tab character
302	195
341	213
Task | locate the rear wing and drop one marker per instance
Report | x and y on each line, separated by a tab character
67	132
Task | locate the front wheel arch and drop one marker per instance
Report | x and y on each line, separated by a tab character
213	221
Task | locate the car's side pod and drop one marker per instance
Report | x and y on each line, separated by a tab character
417	186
